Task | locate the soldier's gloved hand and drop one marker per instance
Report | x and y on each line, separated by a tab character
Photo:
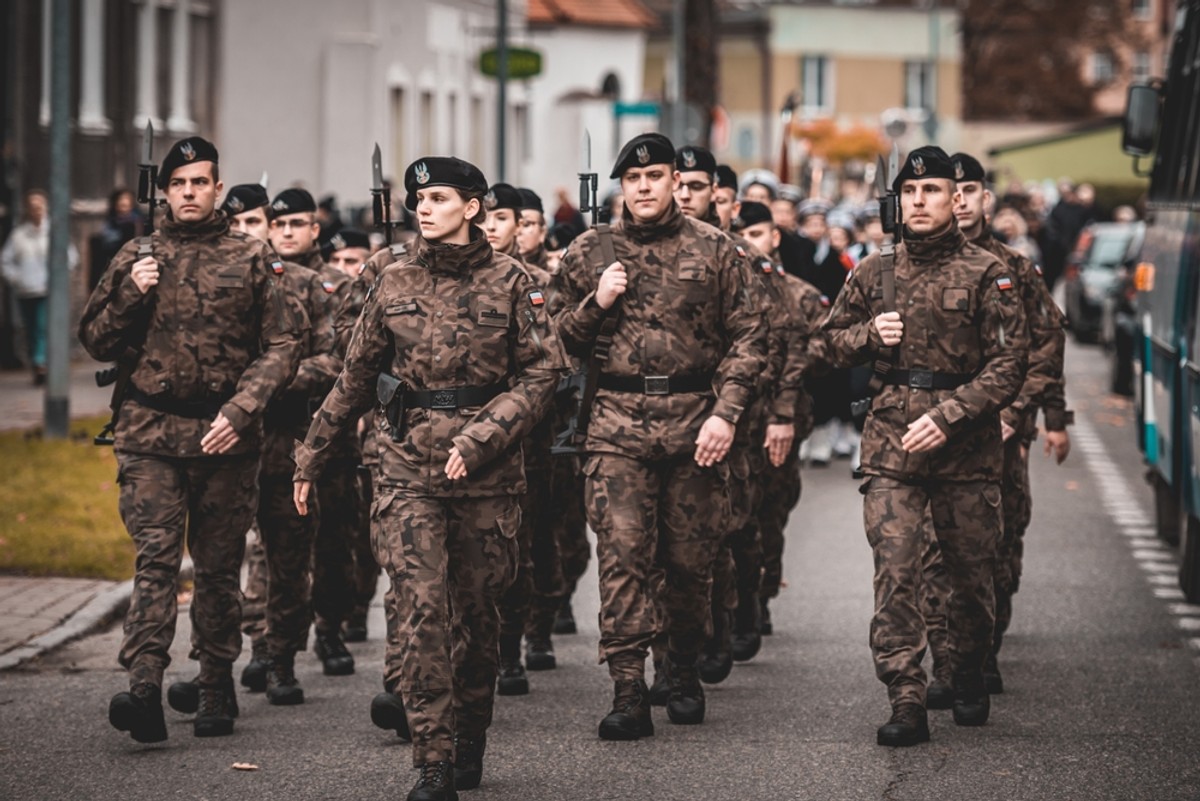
144	274
612	285
456	466
300	490
220	438
923	435
1058	443
712	444
890	328
779	442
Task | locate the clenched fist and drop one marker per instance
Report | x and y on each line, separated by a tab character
144	274
613	281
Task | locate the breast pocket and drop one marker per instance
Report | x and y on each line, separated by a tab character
408	319
956	307
492	317
694	277
226	291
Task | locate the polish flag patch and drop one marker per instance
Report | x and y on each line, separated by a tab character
824	300
329	286
277	267
536	298
1004	284
767	267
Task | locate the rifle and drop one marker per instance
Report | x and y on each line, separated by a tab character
893	229
571	439
120	375
381	197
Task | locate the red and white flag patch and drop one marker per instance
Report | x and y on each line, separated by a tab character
536	298
1004	284
277	267
329	286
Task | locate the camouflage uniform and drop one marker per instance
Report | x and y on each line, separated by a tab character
691	309
218	339
963	321
447	316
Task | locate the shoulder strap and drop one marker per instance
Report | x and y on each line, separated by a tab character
604	339
887	279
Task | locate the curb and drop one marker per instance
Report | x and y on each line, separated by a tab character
94	615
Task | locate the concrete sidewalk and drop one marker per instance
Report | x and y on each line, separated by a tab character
23	402
38	614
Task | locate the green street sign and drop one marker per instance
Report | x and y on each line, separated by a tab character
522	62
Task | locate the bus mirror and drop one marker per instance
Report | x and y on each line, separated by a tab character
1141	119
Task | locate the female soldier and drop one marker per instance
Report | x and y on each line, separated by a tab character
457	339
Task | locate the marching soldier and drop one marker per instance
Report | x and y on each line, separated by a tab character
944	325
673	305
531	230
455	340
725	199
206	320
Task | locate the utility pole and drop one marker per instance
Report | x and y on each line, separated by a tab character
678	103
58	380
935	37
501	87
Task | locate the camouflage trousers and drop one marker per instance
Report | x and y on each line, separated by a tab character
208	503
780	494
287	542
934	595
966	523
366	569
570	521
254	593
1018	511
737	570
531	602
334	588
449	561
673	510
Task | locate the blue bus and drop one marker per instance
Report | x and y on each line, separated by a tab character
1162	126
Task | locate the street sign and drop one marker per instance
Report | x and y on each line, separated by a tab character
646	108
522	62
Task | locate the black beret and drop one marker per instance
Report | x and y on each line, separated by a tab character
925	162
503	196
328	203
245	197
751	213
560	235
442	171
726	177
643	150
293	201
349	238
192	150
695	159
967	168
530	200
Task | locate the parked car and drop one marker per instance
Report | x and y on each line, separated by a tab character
1121	333
1104	253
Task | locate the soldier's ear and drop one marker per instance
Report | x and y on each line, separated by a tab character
775	237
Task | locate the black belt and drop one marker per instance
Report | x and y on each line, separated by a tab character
453	398
194	410
656	384
926	379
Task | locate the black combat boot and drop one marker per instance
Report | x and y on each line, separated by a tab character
512	679
184	696
764	627
539	654
335	659
355	628
387	712
216	711
971	702
435	784
685	706
939	695
992	680
468	760
282	687
907	726
564	621
747	638
660	690
139	712
716	661
254	675
630	715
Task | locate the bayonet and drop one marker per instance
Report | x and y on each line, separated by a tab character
148	177
588	182
265	180
381	196
889	201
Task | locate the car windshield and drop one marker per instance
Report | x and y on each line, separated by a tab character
1108	250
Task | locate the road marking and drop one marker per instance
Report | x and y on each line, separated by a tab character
1158	560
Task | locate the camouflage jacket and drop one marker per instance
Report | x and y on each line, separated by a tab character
807	351
1044	383
290	412
691	307
538	442
215	331
447	316
962	315
538	258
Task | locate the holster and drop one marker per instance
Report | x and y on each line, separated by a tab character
390	392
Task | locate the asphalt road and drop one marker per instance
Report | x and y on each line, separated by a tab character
1102	701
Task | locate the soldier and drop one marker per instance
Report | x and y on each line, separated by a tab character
725	199
294	232
1044	386
531	230
806	354
946	365
688	342
198	310
456	339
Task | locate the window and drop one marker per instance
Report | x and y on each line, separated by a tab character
1101	67
1141	66
452	122
523	134
399	130
476	129
426	122
918	84
816	85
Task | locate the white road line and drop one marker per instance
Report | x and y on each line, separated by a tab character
1168	593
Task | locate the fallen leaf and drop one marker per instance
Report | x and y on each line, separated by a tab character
244	766
1072	486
